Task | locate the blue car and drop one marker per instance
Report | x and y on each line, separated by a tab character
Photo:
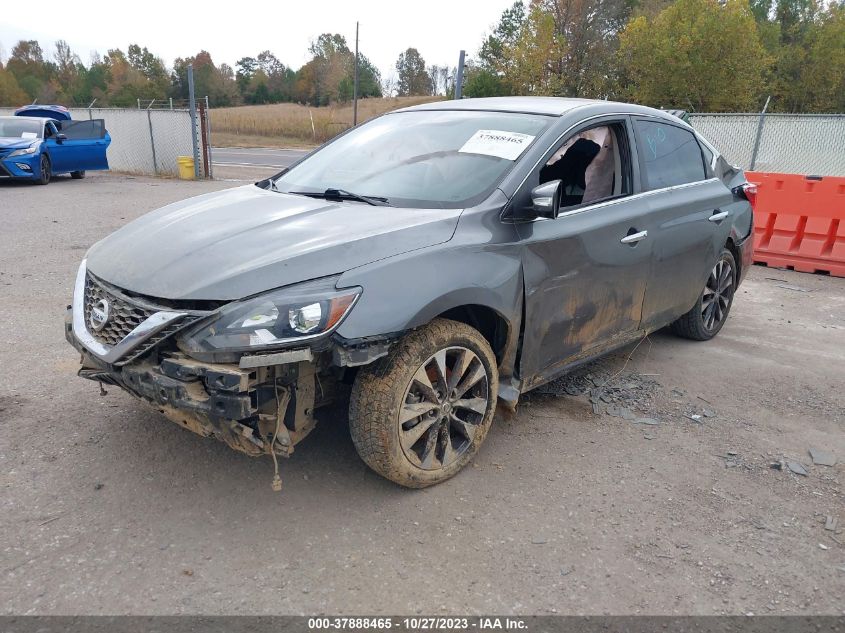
42	141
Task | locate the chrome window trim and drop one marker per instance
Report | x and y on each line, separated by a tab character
635	196
152	325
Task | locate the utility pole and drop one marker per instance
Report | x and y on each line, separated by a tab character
459	79
192	105
355	83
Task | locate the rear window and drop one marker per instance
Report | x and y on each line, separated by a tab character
671	155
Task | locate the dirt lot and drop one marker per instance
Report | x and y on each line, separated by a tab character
107	508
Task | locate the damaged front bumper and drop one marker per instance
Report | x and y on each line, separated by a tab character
253	410
259	404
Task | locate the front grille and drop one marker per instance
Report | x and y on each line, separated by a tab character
123	316
158	337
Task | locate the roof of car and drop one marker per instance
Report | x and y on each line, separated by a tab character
554	106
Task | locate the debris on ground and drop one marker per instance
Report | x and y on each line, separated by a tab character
822	458
797	468
630	396
830	523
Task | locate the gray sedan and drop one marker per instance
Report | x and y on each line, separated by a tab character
435	259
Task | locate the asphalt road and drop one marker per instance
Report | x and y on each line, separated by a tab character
108	508
255	157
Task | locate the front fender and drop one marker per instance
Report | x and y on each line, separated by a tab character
408	291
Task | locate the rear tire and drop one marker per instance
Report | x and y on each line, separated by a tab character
446	374
77	175
710	312
44	171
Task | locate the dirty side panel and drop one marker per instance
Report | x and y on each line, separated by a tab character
583	286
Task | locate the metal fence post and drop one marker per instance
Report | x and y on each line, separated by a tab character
355	83
152	140
759	134
208	137
193	108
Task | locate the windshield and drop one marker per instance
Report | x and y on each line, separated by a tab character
427	159
16	127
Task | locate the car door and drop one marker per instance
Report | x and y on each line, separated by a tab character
83	145
585	272
60	155
691	211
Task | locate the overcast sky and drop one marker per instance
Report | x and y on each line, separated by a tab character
439	29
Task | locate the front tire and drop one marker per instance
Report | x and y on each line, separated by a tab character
710	312
418	415
45	172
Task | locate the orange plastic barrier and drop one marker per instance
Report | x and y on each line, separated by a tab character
799	222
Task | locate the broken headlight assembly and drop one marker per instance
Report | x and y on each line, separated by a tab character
282	318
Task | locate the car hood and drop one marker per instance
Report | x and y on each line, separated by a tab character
15	142
240	242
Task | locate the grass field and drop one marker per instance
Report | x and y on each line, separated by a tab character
290	124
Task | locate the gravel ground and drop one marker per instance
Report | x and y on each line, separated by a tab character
656	480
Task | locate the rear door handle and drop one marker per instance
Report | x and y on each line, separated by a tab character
634	237
718	216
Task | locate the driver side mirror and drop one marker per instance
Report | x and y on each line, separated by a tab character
61	138
545	199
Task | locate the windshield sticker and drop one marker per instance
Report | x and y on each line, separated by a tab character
29	135
508	145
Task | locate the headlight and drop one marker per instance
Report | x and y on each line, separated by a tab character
280	318
25	151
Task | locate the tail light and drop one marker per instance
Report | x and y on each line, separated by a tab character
749	192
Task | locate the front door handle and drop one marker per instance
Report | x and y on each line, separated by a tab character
718	216
634	237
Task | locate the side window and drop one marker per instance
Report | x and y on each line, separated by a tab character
80	130
671	155
49	130
592	165
708	157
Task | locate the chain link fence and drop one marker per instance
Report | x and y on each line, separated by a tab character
808	144
142	141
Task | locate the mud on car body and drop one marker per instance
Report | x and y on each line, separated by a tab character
436	259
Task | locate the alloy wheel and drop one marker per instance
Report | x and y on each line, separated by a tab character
718	294
442	409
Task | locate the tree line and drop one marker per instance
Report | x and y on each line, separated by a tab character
697	55
121	78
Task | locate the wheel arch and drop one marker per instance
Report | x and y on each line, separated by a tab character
490	323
